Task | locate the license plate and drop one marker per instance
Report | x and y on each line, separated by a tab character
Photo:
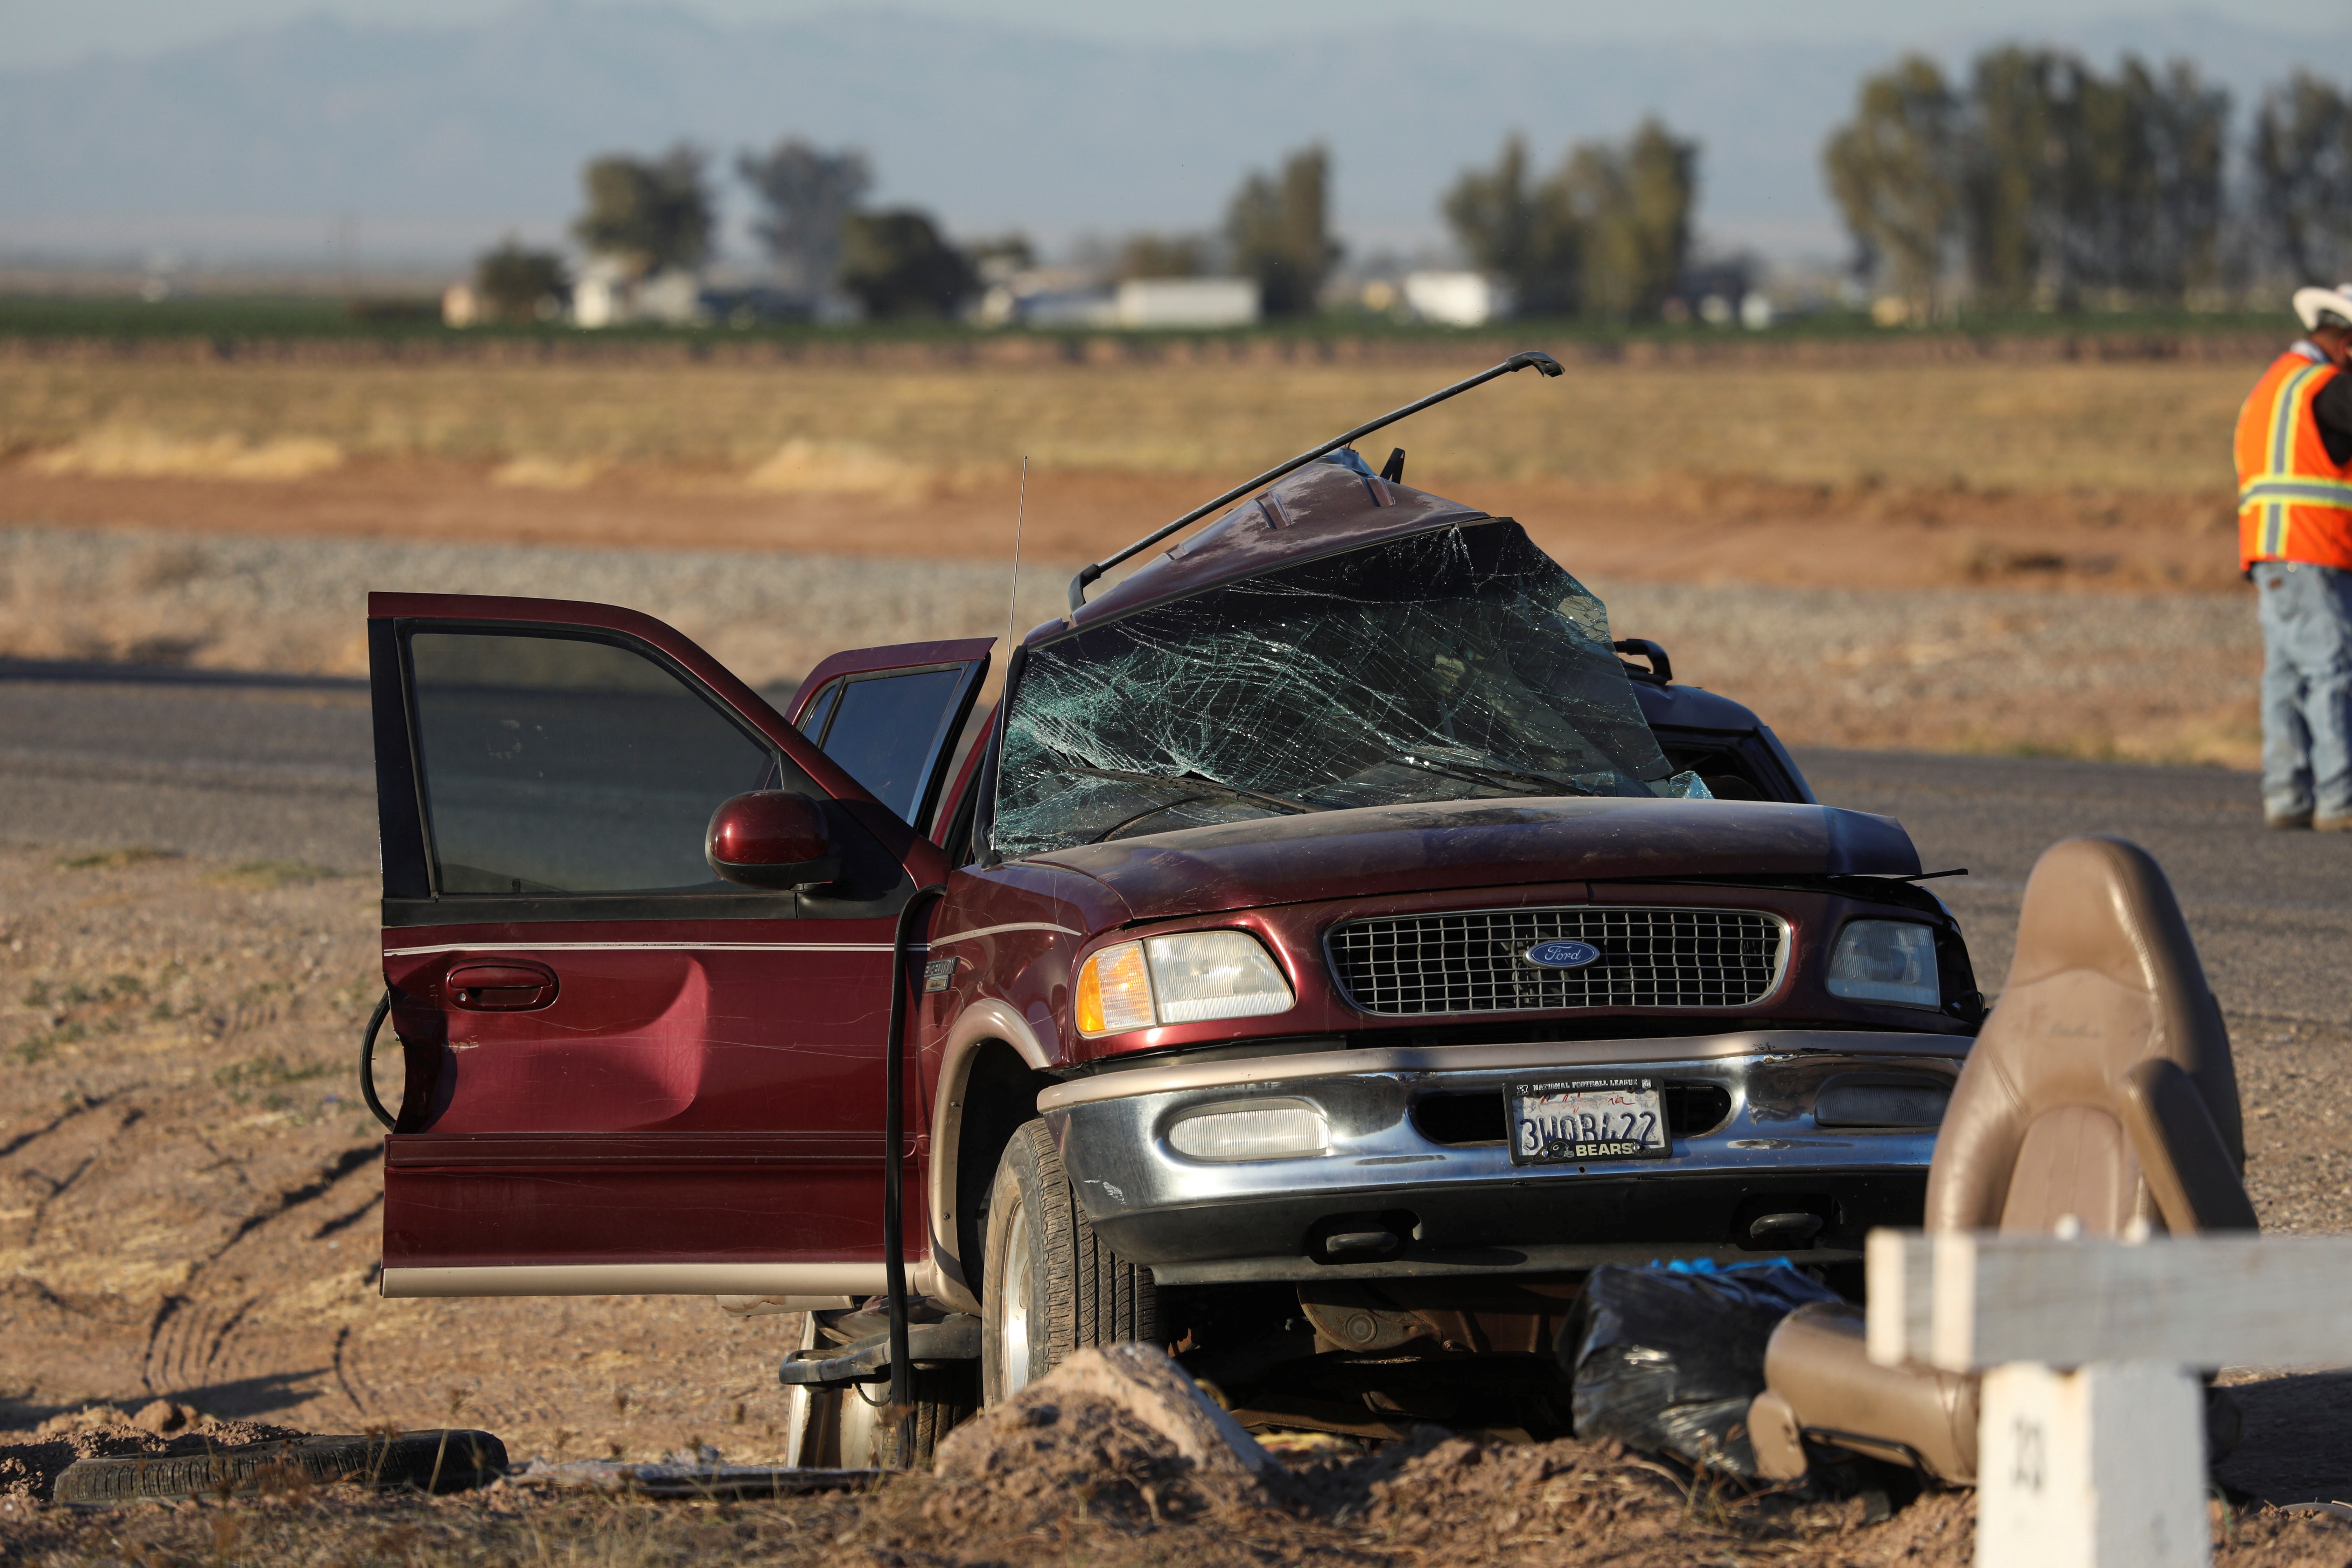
1572	1121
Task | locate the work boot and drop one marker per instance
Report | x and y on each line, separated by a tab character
2289	820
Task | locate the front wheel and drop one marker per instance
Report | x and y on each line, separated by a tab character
1050	1287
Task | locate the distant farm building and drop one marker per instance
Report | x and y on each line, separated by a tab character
1457	298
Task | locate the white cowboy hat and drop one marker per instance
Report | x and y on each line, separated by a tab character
2315	305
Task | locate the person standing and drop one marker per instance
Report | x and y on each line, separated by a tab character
2294	543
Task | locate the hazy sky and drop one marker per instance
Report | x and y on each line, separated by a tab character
44	32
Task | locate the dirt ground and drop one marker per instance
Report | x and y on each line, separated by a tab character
2156	427
189	1203
1435	1499
1861	477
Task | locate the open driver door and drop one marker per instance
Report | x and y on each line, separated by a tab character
624	1074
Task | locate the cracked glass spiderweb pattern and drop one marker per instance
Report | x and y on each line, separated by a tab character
1458	664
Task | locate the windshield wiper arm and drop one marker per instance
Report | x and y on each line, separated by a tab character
1194	780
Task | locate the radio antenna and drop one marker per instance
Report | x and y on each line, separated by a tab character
1013	599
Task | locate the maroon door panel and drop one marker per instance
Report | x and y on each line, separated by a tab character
474	1200
614	1056
772	1025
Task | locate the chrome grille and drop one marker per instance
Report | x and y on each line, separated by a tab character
1469	961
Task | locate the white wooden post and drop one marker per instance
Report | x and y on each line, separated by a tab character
2091	1433
2101	1464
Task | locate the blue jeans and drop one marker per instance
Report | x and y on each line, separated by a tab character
2306	615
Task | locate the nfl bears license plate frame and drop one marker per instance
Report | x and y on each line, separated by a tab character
1577	1120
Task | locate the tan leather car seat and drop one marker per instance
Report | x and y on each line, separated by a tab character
2101	1088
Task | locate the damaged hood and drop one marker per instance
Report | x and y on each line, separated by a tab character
1481	844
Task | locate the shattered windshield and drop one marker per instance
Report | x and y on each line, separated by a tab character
1458	664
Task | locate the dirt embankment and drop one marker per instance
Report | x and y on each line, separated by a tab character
1689	527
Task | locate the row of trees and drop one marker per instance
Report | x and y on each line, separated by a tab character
653	214
2302	167
649	216
1607	234
2038	181
2044	182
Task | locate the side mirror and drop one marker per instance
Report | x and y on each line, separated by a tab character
771	838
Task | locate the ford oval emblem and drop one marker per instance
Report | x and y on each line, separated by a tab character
1561	954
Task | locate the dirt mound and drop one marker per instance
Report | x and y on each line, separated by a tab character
31	1461
1050	1459
1122	1442
1120	1435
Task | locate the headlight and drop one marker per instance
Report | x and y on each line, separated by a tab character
1886	960
1188	978
1278	1131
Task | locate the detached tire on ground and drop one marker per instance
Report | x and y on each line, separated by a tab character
455	1460
1049	1288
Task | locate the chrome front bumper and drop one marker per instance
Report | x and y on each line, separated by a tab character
1465	1209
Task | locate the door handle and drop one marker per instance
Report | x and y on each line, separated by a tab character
502	985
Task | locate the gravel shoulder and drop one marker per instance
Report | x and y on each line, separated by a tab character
2144	676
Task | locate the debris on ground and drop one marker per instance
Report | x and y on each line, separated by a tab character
30	1468
1667	1359
702	1476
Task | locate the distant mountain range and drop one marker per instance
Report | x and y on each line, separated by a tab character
438	139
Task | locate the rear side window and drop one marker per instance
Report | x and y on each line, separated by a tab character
563	764
887	731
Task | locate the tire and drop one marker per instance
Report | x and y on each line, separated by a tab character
1049	1288
837	1429
448	1461
942	1396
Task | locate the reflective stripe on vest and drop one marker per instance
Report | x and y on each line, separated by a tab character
2297	490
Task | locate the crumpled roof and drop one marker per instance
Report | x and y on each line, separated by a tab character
1333	504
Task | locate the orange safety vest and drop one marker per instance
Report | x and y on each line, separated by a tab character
2294	502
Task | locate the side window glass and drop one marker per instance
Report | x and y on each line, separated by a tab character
813	723
887	731
561	764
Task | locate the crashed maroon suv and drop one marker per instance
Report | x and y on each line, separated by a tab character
1325	952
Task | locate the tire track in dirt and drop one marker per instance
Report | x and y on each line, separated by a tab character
194	1344
49	1189
344	1222
291	1198
82	1107
58	1187
343	1371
